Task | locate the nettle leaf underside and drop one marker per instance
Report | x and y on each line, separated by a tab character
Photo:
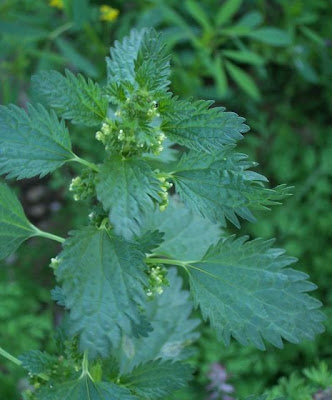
32	143
248	291
102	282
14	225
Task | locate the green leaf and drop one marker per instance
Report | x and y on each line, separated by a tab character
140	60
84	388
37	362
127	189
222	186
199	14
199	127
14	225
103	280
247	292
272	36
170	336
252	19
244	56
186	235
244	80
227	11
72	97
33	143
157	379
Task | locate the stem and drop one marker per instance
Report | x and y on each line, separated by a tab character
9	357
49	235
58	31
85	162
16	361
166	261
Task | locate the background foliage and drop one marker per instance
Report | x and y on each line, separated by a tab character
270	61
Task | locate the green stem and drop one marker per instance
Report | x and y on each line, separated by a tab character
61	29
9	357
49	235
85	162
166	261
16	361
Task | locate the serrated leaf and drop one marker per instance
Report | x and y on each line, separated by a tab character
186	235
140	60
221	186
248	291
199	127
102	279
170	336
84	389
14	225
126	189
72	97
272	36
37	362
157	379
243	79
33	143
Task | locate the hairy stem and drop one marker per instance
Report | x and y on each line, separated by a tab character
85	162
49	235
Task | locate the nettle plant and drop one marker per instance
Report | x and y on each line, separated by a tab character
155	213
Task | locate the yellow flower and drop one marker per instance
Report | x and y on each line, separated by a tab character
57	4
108	13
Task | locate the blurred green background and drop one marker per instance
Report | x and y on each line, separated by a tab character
268	60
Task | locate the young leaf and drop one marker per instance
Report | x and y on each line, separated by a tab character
247	292
140	60
170	337
72	97
272	36
243	79
84	388
102	279
186	235
33	143
222	186
126	189
157	379
14	225
199	127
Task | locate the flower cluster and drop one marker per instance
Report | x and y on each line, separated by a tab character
165	186
133	126
108	13
219	388
157	280
83	186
